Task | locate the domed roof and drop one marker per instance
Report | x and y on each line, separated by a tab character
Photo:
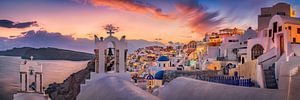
150	77
249	34
159	75
163	58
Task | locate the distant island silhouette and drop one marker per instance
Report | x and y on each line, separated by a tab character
48	53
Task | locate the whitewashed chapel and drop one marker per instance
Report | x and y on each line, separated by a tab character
31	81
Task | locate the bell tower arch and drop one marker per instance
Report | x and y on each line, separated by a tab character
110	52
31	76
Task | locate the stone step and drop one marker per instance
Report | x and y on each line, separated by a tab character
270	79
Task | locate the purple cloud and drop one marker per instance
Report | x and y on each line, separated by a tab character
42	38
11	24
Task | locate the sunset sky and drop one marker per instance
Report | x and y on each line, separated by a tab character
153	20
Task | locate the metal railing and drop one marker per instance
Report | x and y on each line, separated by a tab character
231	80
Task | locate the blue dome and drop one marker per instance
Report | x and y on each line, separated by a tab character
159	75
163	58
150	77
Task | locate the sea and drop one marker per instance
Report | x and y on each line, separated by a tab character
53	71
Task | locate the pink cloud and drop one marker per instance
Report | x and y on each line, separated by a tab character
189	12
134	6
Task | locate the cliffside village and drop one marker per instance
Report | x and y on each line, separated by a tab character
266	57
231	64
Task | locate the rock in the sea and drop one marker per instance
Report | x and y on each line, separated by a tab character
70	88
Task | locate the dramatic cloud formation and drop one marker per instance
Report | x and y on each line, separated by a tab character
198	19
11	24
172	20
189	12
139	6
43	38
46	39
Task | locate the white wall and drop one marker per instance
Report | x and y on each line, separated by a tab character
212	52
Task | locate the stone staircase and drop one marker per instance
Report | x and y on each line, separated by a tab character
270	79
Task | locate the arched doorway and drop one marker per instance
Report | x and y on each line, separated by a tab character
256	51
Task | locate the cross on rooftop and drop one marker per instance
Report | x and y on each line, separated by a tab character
111	29
110	32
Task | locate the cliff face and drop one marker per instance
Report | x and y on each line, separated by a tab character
70	88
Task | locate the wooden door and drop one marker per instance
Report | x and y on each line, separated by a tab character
281	45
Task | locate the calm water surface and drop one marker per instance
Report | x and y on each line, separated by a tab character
53	70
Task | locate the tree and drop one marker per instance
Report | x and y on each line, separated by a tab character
110	27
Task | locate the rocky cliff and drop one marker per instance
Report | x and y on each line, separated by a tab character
70	88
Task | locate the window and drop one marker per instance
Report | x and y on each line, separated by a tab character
294	40
256	51
281	13
233	40
290	28
164	65
270	33
280	29
274	27
298	30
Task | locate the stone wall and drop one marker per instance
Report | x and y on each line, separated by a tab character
294	85
248	70
191	89
169	75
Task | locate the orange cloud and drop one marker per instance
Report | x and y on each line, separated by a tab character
197	18
135	6
189	12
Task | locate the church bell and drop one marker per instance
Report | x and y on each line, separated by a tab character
110	52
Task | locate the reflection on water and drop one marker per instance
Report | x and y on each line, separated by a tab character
53	70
